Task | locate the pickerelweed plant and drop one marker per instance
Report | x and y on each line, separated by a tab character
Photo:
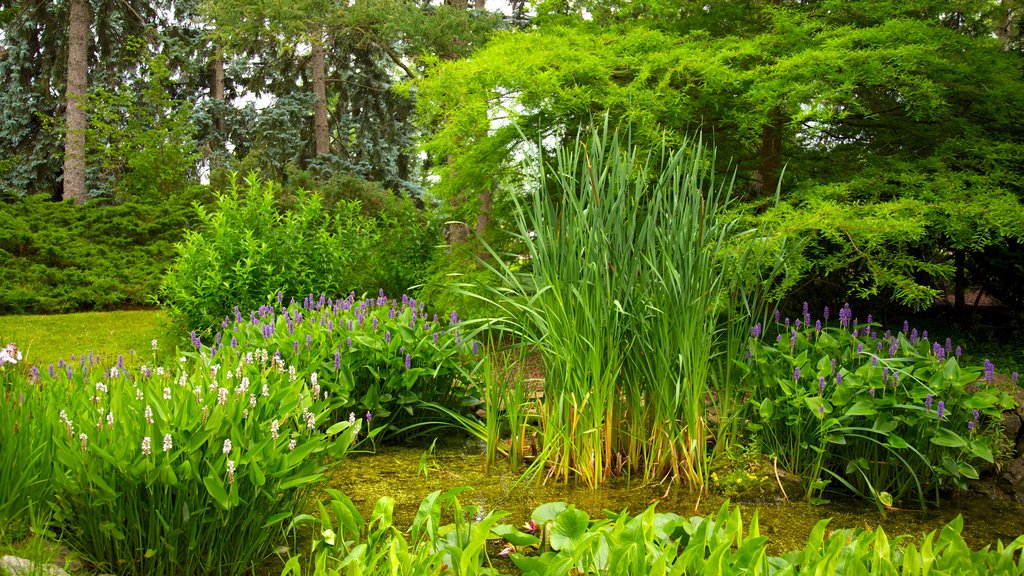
190	468
890	417
349	545
634	267
561	540
379	358
26	452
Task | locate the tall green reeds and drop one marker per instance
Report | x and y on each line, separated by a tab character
630	265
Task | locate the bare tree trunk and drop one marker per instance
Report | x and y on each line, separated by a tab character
319	64
767	175
483	217
1004	31
78	83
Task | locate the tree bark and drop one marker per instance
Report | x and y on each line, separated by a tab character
483	217
79	19
319	64
1005	31
767	176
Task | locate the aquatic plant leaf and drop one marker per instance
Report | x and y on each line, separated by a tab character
946	437
513	536
569	528
547	512
981	450
861	408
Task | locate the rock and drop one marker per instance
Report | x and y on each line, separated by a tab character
14	566
68	559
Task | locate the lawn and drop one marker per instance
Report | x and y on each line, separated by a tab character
44	340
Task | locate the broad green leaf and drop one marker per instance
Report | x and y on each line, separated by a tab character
946	437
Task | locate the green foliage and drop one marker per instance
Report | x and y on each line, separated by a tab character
889	117
140	139
376	356
349	545
562	540
246	250
408	233
888	417
26	454
636	277
60	257
187	468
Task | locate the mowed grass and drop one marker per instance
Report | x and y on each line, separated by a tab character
43	340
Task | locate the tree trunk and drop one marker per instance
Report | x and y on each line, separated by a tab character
78	83
1004	31
767	175
319	64
483	217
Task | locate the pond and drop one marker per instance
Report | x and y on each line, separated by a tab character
397	472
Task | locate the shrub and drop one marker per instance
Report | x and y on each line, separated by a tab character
887	416
186	469
377	356
60	257
250	246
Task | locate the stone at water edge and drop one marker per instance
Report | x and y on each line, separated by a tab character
14	566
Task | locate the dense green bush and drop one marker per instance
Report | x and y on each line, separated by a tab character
887	416
378	357
185	468
253	243
59	257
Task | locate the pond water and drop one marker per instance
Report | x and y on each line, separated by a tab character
396	472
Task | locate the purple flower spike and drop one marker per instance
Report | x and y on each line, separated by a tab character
348	341
778	316
870	319
408	361
817	326
839	378
821	386
872	391
928	402
941	409
906	327
825	314
1015	377
337	360
959	352
990	372
756	331
369	417
476	349
796	374
387	337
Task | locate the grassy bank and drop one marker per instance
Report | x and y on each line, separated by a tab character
45	339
